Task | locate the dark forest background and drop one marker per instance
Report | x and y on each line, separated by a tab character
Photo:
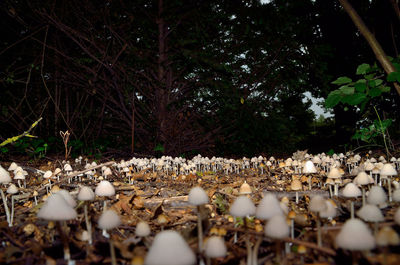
184	77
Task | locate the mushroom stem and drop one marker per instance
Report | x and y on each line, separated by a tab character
330	191
112	253
88	225
3	197
199	229
352	209
363	195
297	197
64	239
389	180
249	251
292	228
248	245
255	250
12	212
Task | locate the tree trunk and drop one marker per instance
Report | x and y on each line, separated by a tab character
373	43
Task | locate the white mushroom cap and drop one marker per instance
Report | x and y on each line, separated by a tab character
12	189
215	247
329	211
362	179
334	173
309	168
19	175
105	188
47	174
388	170
245	189
86	194
67	167
56	209
370	213
67	197
277	227
351	191
197	196
107	171
169	248
4	176
269	206
142	229
109	219
355	235
242	207
13	166
317	204
376	195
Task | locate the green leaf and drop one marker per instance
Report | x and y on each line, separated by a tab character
362	69
378	82
347	90
370	76
342	80
333	99
385	88
360	87
393	77
397	66
354	99
374	92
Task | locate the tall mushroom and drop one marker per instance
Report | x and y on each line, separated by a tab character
244	207
56	208
108	220
5	179
198	197
86	194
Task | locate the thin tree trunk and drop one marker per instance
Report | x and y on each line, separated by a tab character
373	43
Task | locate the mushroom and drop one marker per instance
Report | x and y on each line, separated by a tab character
105	189
277	228
296	186
310	169
169	248
142	229
56	208
388	171
86	194
108	220
351	191
245	189
5	179
243	207
317	205
334	174
371	213
354	236
362	179
198	197
12	189
268	207
214	248
377	196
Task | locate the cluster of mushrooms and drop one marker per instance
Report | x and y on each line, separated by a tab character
364	191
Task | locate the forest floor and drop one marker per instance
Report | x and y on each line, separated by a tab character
31	240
